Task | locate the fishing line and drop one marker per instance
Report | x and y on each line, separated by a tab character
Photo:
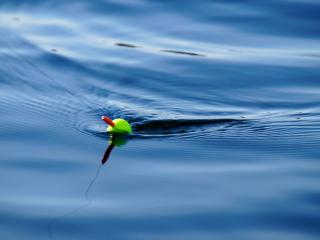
54	221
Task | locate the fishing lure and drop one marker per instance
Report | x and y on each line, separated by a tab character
117	126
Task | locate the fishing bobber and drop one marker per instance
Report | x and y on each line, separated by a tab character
117	126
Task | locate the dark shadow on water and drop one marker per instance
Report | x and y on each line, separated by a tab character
128	45
115	141
183	53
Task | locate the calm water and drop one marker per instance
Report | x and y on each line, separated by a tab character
224	97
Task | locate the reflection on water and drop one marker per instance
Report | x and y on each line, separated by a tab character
115	141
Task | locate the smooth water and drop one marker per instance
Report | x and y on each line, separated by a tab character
224	99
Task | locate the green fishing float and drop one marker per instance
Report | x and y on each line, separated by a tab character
117	126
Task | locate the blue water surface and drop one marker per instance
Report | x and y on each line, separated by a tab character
223	97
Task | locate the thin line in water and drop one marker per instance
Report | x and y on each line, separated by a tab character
54	221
